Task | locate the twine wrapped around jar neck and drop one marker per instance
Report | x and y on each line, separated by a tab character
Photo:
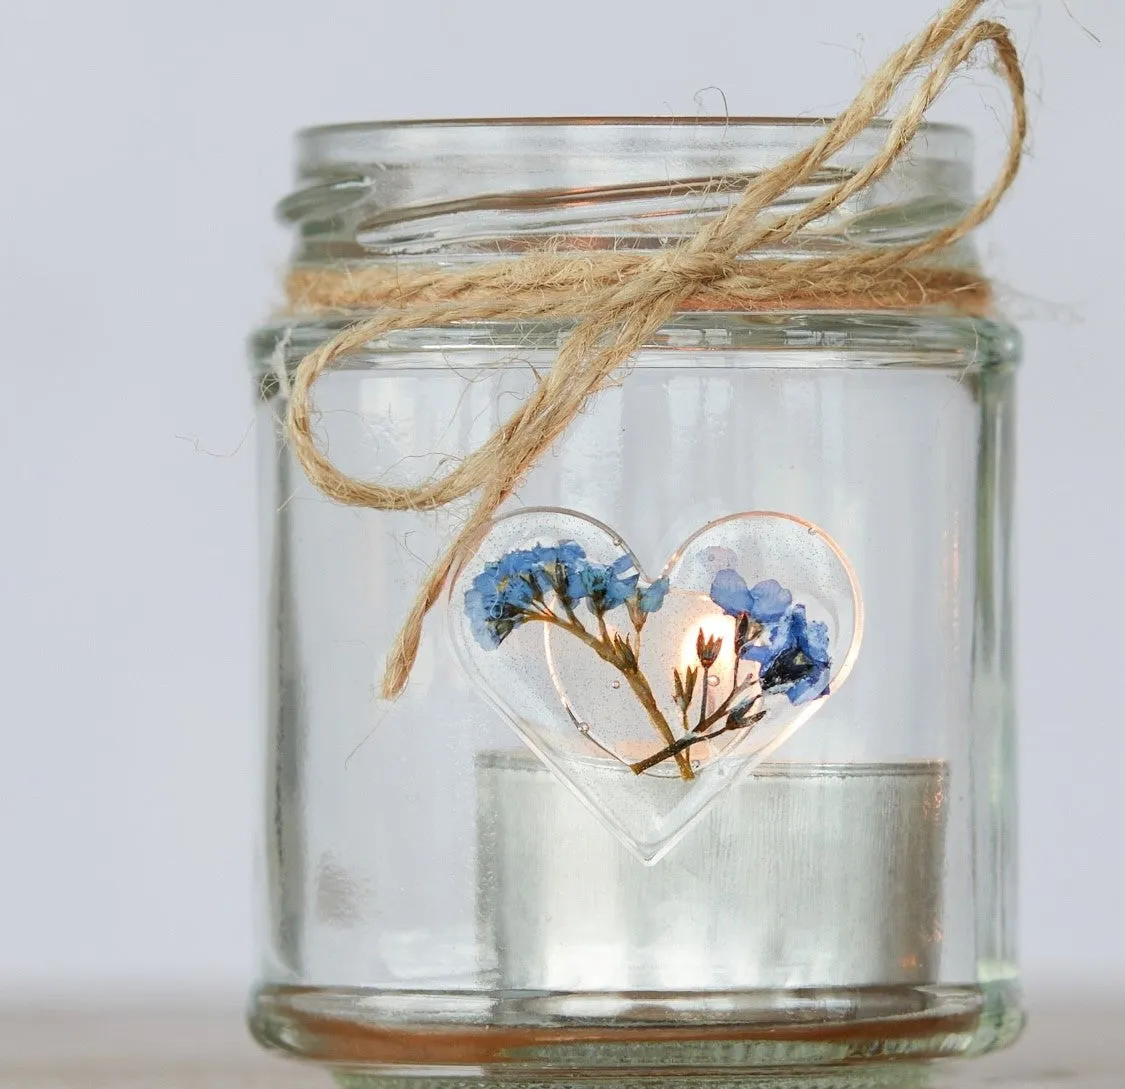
619	300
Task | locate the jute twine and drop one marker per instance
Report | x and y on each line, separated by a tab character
619	300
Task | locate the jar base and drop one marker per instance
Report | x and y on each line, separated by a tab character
901	1076
407	1040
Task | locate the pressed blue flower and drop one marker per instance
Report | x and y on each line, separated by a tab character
651	597
496	603
645	600
490	624
560	569
547	567
795	659
603	585
765	602
518	577
500	596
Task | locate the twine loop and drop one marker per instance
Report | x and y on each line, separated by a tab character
619	300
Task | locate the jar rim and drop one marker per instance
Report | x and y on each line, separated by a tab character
721	140
741	121
470	188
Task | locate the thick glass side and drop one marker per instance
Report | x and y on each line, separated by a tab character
406	933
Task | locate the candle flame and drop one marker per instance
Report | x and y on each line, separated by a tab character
715	625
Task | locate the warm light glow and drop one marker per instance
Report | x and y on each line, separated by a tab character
719	626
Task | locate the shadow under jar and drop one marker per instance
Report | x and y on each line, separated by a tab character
446	897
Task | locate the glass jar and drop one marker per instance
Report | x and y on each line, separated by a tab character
446	896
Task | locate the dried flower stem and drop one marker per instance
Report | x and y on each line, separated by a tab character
678	748
633	676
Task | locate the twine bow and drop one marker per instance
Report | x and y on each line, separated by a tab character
619	300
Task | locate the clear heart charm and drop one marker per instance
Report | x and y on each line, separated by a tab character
649	696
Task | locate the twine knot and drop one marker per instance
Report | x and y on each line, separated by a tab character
687	272
619	301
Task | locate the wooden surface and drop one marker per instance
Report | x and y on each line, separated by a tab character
1063	1048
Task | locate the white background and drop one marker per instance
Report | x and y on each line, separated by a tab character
143	144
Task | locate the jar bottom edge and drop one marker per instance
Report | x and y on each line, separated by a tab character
434	1040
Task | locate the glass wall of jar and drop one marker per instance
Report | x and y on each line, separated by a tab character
471	880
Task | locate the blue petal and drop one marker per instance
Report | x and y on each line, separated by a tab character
518	562
497	600
816	642
618	590
571	558
570	553
485	582
622	564
768	600
730	593
811	636
652	596
762	655
779	639
517	590
810	687
474	603
604	589
478	612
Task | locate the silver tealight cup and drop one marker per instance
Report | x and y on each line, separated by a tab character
801	875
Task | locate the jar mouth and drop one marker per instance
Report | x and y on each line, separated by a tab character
354	142
605	121
465	187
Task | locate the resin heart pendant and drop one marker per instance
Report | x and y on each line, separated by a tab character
648	697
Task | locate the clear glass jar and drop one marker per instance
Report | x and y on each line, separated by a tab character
446	897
